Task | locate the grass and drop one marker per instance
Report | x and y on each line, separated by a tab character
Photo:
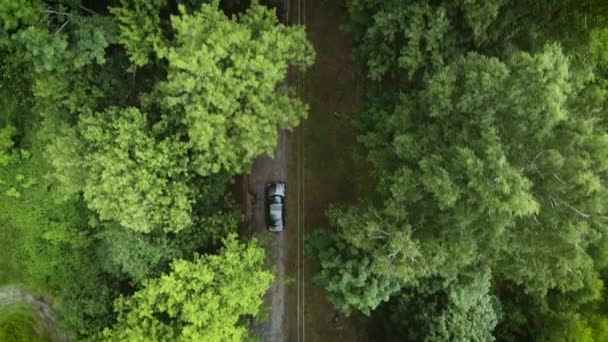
19	323
334	170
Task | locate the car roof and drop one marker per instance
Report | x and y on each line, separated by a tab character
276	215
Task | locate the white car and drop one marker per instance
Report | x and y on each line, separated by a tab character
275	194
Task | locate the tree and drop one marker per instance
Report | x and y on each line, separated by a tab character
140	28
126	175
202	300
131	177
65	52
223	84
438	310
399	42
479	157
470	315
348	276
141	256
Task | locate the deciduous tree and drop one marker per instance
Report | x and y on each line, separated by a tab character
202	300
224	84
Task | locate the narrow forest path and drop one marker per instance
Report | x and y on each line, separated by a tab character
264	170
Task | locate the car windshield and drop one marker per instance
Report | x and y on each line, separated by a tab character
276	199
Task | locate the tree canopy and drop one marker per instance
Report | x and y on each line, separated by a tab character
200	300
486	134
122	124
224	87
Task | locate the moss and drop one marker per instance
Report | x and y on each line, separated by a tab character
19	323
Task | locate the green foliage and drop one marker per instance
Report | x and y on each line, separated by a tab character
445	184
348	276
140	28
470	315
486	132
63	53
50	248
572	327
16	13
139	256
92	35
402	41
100	192
143	256
223	84
131	177
202	300
436	310
403	36
6	145
598	48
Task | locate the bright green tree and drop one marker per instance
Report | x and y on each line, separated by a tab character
140	28
129	176
202	300
224	84
126	175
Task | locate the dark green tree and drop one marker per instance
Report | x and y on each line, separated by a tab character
489	163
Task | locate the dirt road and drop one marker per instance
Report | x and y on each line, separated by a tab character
264	170
281	247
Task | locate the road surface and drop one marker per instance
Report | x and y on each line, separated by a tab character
287	244
266	169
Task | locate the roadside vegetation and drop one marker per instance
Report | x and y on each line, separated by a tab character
122	123
485	126
19	323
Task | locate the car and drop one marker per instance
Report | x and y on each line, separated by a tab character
275	195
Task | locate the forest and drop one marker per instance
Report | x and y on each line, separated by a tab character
124	123
485	127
